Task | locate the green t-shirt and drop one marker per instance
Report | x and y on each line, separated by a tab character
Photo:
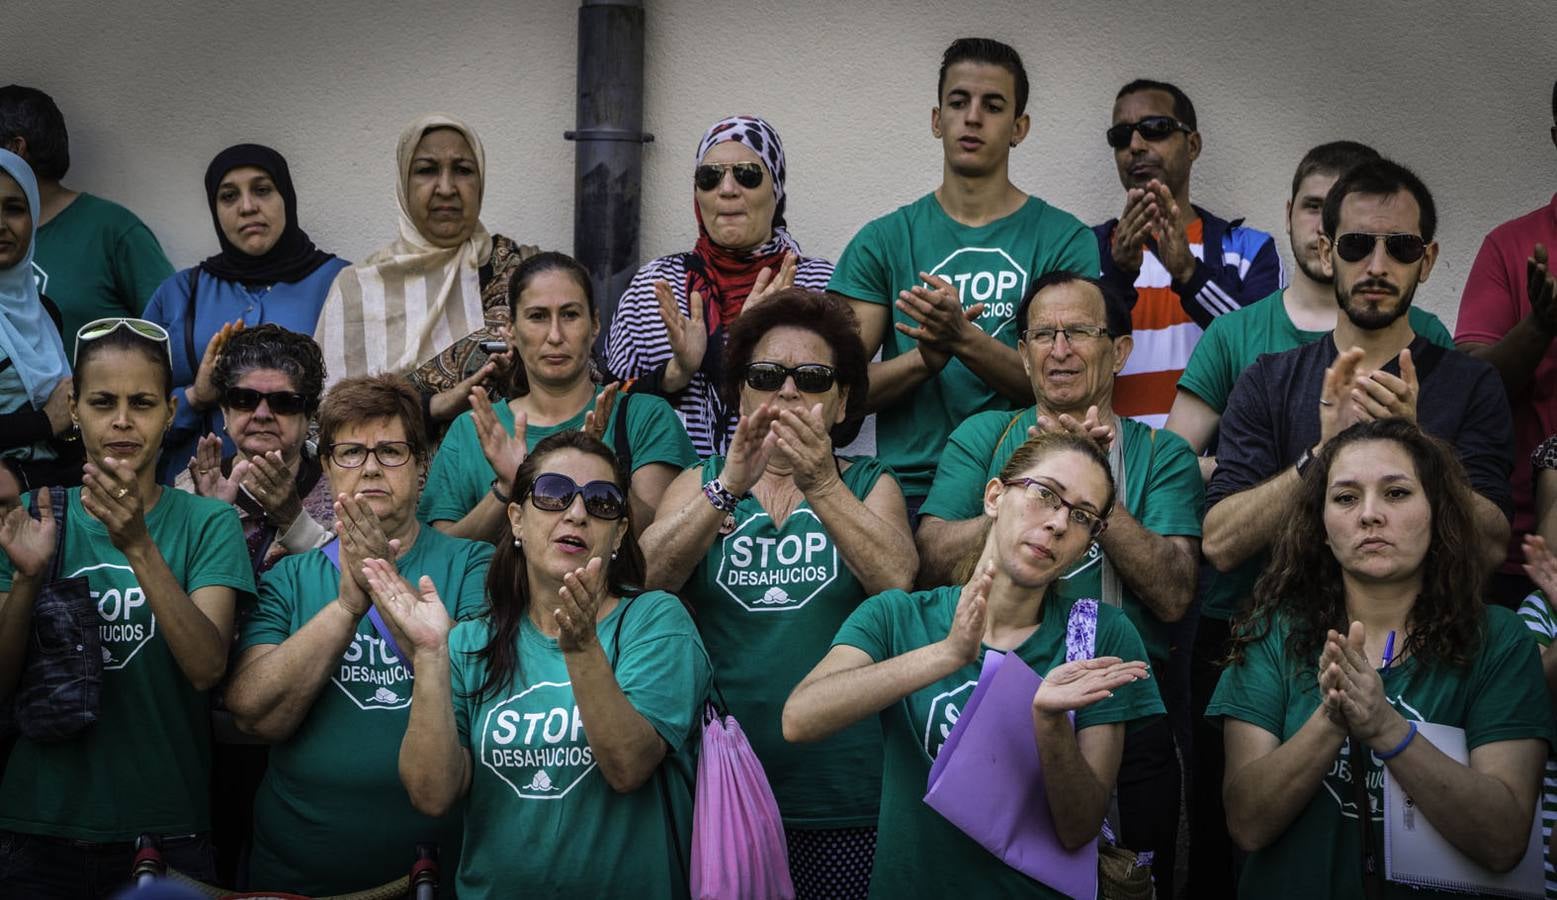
461	476
1537	616
323	825
96	259
540	817
768	602
919	853
1163	491
145	766
1500	697
992	264
1231	344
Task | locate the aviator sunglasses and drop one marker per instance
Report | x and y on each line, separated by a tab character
1152	128
810	378
281	403
554	492
1355	246
747	174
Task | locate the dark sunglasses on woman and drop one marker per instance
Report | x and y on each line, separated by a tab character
1152	128
1355	246
810	378
281	403
554	492
708	176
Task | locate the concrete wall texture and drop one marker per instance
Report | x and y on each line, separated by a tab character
152	90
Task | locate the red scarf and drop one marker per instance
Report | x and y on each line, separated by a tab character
725	277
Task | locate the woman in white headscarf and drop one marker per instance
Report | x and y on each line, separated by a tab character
34	376
422	305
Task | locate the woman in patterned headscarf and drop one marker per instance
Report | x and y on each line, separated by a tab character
668	330
421	306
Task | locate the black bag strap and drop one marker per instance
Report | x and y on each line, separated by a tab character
189	320
1372	881
621	445
58	500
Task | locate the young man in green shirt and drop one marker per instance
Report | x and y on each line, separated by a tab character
935	284
1074	339
94	258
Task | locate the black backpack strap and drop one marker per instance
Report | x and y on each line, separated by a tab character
621	445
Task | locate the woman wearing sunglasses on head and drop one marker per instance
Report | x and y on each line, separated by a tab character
321	676
553	325
270	380
1368	624
564	718
266	270
669	327
914	659
34	374
772	547
165	569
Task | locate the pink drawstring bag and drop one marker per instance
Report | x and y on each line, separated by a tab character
738	846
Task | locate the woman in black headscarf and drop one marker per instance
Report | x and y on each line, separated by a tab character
267	271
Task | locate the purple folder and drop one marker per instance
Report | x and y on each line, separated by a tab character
988	782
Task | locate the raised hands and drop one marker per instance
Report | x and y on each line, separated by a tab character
1542	290
1089	427
112	494
1133	229
362	538
1541	566
57	407
1168	232
205	469
267	479
770	282
1352	686
202	394
1380	395
599	416
751	447
937	308
1336	411
445	405
578	603
417	613
802	439
27	541
688	336
966	634
504	451
1077	685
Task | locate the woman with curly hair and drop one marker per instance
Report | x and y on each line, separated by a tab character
1368	624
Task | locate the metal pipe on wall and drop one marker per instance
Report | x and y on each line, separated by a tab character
608	155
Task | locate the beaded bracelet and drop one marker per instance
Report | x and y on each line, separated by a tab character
720	496
1400	747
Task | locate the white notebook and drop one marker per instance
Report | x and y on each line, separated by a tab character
1416	854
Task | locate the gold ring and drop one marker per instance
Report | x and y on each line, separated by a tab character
119	494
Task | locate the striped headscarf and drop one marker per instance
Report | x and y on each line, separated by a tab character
407	302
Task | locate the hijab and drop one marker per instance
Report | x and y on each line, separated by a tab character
293	257
724	276
409	301
28	336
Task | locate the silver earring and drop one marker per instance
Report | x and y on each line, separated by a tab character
613	556
517	544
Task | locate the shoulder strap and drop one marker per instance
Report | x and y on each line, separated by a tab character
59	499
1372	884
189	321
332	552
1081	631
621	445
1007	430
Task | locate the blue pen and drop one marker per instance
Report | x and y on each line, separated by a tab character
1389	649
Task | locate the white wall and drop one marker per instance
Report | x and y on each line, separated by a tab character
1460	92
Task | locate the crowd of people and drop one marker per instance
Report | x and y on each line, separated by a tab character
384	554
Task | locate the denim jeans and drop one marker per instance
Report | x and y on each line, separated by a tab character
37	866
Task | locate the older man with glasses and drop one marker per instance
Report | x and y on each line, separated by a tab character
1075	337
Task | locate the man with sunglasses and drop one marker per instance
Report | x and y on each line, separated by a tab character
935	284
1508	317
1157	246
1076	336
1378	223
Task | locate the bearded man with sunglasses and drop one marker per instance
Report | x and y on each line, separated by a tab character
1157	247
1378	220
935	284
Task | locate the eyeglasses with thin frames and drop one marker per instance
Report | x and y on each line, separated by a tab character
1037	492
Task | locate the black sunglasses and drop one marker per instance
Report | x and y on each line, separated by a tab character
282	403
1152	128
1355	246
811	378
747	174
554	492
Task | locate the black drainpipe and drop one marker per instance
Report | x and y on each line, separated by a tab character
609	139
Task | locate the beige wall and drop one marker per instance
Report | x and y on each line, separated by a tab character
1461	92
